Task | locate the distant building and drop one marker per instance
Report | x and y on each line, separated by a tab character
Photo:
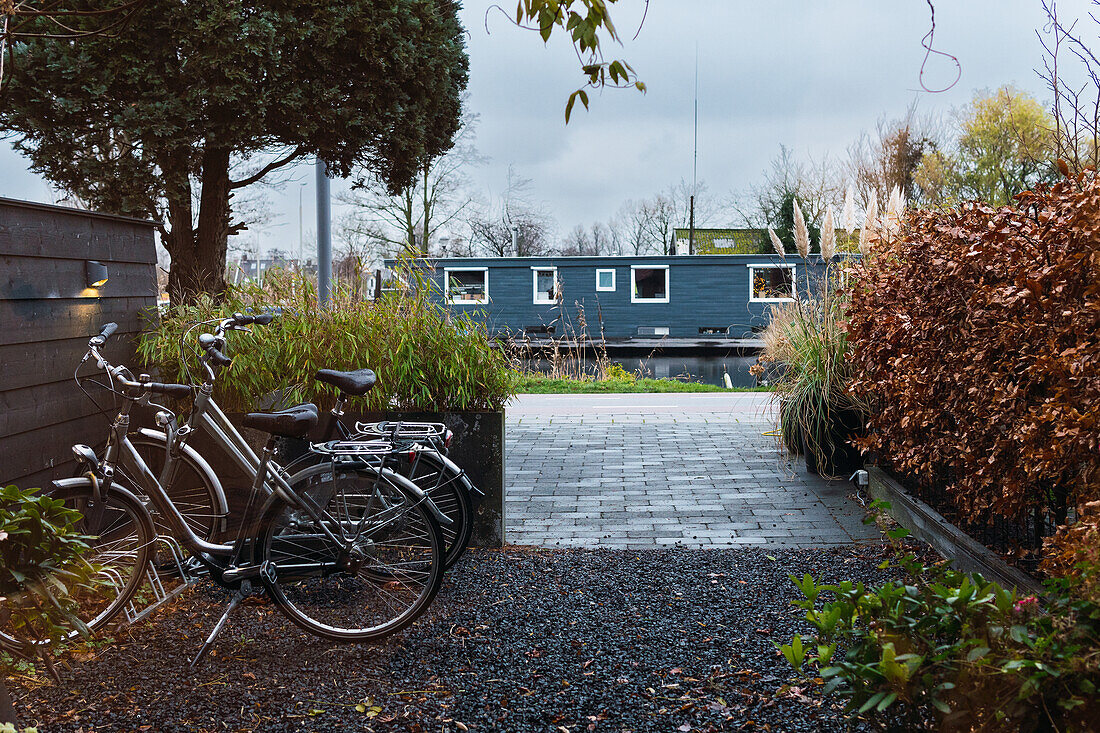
624	298
252	269
743	241
721	241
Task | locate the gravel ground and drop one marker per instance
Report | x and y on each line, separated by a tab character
518	640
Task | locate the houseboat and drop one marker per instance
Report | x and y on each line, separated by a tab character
685	300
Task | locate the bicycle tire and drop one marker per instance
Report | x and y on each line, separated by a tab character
359	595
130	531
199	501
445	488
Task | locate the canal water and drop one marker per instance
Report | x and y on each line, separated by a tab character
707	369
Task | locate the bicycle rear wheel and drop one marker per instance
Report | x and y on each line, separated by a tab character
381	574
120	536
444	487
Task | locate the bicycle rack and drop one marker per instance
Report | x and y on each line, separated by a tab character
161	594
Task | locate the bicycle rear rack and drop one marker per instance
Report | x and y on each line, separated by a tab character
353	448
403	430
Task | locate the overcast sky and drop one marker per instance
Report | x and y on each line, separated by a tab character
808	75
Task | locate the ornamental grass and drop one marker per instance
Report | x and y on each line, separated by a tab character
426	359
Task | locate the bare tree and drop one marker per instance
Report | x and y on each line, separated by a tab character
890	158
413	220
816	184
596	240
1075	90
513	225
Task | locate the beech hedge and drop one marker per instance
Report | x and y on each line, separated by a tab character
977	336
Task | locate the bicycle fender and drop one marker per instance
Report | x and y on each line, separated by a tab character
462	475
200	462
396	478
66	483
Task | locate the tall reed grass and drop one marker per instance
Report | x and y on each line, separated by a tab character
426	359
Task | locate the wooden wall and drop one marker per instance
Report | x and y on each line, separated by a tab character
47	315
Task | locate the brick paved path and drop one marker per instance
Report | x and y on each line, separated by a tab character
641	471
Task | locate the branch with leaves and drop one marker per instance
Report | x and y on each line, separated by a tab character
585	21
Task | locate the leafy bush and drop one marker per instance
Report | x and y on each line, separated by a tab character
976	335
955	648
41	562
425	358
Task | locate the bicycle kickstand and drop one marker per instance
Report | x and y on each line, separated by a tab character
238	596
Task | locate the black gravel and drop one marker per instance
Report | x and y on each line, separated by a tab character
518	640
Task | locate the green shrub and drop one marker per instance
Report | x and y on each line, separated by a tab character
425	358
955	648
41	563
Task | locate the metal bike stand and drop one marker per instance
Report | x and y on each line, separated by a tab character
156	583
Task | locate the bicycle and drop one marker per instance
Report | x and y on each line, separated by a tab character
419	449
347	552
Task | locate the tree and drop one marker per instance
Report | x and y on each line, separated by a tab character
594	241
149	123
1005	146
513	226
411	220
1075	109
889	159
816	185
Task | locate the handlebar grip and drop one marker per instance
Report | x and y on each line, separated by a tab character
241	319
263	319
218	357
179	391
107	330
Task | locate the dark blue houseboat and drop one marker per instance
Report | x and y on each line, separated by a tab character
691	297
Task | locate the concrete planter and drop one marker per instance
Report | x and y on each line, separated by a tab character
951	542
478	448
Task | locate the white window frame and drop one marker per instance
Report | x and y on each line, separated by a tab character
537	296
634	285
605	290
447	285
794	277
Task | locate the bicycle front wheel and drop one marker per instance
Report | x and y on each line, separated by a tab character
120	535
367	568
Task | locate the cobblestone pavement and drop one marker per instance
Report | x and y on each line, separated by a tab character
649	470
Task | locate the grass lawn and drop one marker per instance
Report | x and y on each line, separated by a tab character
542	385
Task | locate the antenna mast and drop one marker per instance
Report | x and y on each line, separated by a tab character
694	159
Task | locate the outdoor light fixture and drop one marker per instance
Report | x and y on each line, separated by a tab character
95	274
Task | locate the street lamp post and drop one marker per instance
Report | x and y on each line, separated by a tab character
324	236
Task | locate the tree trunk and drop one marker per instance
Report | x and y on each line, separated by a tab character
7	710
198	253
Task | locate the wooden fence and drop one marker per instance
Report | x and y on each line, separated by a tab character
48	310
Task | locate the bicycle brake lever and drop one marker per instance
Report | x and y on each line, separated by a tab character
241	328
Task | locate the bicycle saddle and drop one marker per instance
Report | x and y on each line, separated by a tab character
356	383
293	422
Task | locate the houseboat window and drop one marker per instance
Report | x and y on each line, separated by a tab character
545	284
605	281
649	284
467	287
771	282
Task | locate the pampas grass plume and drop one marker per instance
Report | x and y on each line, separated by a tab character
828	236
777	243
801	233
849	210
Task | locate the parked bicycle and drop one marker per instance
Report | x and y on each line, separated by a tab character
348	552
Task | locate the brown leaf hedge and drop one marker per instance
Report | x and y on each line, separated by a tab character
977	336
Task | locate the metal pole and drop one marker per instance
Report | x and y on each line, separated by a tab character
301	238
324	236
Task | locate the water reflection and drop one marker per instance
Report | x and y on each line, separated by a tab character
707	369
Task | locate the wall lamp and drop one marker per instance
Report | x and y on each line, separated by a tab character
95	274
